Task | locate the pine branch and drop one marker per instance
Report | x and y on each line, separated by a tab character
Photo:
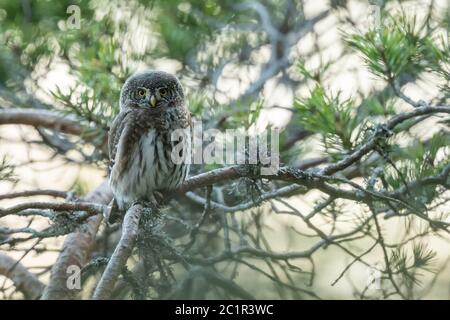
23	279
122	252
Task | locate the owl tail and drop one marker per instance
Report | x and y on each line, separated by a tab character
112	214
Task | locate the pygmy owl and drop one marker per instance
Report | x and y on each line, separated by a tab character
140	139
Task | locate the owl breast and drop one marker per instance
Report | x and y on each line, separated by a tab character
151	169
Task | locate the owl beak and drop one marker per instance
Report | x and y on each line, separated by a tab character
153	101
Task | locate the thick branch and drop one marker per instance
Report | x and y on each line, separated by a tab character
25	281
121	254
91	208
76	249
40	118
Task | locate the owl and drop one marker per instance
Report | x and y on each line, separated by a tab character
140	140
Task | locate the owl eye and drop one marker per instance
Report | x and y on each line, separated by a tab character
163	92
141	93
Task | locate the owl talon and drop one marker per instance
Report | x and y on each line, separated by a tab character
161	198
145	204
112	213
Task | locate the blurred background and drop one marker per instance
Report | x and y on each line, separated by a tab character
323	71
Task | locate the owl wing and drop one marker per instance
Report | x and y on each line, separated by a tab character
115	132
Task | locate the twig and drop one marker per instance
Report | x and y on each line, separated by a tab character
31	193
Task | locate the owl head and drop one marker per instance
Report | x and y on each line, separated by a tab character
156	91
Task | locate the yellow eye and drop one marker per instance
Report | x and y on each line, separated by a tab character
163	92
141	93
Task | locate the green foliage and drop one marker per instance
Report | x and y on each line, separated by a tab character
29	30
314	75
373	107
419	159
416	162
186	25
198	103
87	107
329	116
397	47
410	265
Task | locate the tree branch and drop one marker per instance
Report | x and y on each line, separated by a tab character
40	118
25	281
31	193
76	249
121	253
90	208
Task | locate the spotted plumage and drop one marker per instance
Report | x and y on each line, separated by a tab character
140	143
